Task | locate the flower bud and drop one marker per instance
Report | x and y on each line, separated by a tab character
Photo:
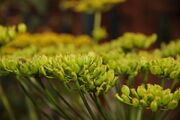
134	93
166	98
143	102
156	70
125	90
22	28
172	104
176	94
153	106
135	102
118	97
125	98
141	90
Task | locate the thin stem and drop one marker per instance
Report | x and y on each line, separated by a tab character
132	113
163	82
99	106
49	99
174	83
6	103
139	114
25	90
97	20
65	101
120	106
31	109
145	77
86	104
53	101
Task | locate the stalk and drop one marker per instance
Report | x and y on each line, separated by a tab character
87	105
85	101
97	22
145	77
31	109
120	106
174	83
139	114
6	104
65	101
25	90
99	106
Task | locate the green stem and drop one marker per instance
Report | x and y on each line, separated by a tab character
132	113
53	101
163	82
145	77
49	99
25	90
174	83
139	114
65	101
97	21
87	105
120	106
31	109
6	103
99	106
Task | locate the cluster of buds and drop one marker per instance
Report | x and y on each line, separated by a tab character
132	64
47	39
171	49
9	33
135	40
87	72
90	5
149	96
166	67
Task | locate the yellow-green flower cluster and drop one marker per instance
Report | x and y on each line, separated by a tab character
9	33
171	49
149	96
136	40
167	67
87	72
89	5
41	40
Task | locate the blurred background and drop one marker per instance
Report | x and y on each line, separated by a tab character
146	16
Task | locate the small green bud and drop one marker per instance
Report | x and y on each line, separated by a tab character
166	98
135	102
141	90
118	97
174	74
125	90
125	98
99	33
156	70
172	104
143	102
176	94
60	75
154	106
22	28
134	93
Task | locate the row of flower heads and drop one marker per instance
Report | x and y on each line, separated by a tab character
98	71
93	73
14	39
